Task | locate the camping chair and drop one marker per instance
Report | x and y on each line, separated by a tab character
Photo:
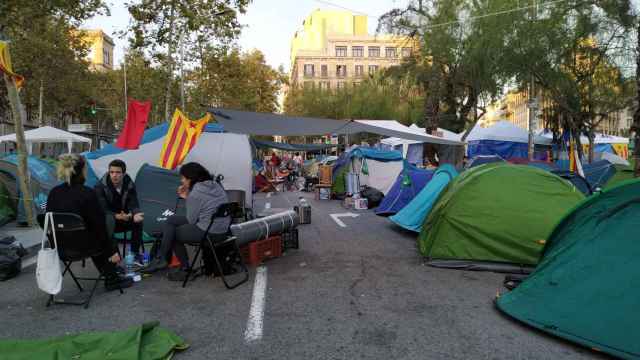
241	212
234	256
73	245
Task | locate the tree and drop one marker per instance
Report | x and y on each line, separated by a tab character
158	26
635	128
232	79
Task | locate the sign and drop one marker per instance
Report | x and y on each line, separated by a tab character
334	139
79	127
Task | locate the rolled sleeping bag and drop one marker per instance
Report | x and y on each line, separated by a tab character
264	227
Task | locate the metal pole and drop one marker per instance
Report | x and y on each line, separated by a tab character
182	70
126	99
532	99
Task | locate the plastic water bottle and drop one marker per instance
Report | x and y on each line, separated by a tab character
128	263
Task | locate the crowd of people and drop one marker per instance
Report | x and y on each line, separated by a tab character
113	206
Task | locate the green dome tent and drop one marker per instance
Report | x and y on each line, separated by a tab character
586	287
495	216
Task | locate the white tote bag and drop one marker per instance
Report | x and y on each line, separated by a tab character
48	272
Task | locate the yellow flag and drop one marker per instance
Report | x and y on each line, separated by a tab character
5	64
180	139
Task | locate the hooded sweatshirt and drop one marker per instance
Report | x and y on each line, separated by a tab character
202	202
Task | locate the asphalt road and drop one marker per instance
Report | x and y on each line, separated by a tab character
359	292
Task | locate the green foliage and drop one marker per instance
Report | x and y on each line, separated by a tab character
232	79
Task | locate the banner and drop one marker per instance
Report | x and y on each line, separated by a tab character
5	65
137	116
180	139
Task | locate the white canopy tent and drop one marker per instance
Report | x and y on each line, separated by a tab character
48	134
504	131
599	139
441	133
246	122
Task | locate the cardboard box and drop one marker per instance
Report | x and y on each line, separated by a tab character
360	204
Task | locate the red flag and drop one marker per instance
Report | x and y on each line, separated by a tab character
137	117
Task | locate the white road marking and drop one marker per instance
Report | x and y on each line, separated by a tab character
338	221
256	313
269	194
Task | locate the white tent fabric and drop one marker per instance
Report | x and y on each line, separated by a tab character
395	141
382	174
48	134
221	153
504	131
246	122
600	138
612	158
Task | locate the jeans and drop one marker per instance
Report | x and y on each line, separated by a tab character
177	231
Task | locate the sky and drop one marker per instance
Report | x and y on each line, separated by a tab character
268	25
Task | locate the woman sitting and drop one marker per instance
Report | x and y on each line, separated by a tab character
203	197
73	197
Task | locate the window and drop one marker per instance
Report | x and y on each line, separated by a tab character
373	69
341	51
357	51
308	70
325	85
406	51
390	52
106	57
323	71
340	85
341	70
359	70
374	51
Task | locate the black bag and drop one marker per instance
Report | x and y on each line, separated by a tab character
374	197
226	255
11	253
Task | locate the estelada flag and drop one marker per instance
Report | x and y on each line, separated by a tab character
5	65
137	116
181	138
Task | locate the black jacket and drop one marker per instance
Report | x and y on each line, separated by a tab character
81	200
106	195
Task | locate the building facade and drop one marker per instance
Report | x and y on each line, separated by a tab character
101	48
334	50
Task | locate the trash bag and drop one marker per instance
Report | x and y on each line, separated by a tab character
374	196
11	253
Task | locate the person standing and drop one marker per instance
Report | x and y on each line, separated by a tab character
118	198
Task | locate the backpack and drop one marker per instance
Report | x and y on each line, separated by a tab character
11	253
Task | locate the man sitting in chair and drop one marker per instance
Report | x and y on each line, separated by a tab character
119	200
73	197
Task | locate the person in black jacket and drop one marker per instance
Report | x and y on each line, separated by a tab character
73	197
119	200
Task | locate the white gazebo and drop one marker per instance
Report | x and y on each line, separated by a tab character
48	134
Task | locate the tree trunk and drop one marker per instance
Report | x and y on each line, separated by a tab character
167	95
23	180
636	117
592	141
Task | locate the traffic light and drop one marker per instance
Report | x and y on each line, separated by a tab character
92	108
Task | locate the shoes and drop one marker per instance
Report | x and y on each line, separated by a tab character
155	265
138	260
116	282
177	275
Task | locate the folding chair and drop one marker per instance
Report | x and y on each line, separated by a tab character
73	245
234	256
241	212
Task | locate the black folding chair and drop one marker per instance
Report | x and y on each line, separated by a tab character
74	244
239	212
233	257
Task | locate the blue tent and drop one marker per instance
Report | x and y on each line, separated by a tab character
483	159
413	214
408	184
596	176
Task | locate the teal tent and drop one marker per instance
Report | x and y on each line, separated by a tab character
413	214
586	287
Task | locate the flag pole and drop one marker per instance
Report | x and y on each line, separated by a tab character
126	100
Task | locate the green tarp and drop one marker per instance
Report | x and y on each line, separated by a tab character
495	215
587	286
144	342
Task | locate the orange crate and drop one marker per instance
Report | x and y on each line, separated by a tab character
260	250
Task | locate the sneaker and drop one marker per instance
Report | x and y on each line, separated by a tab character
177	275
117	282
155	265
138	260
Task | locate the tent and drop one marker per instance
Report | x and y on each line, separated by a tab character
156	188
48	134
596	175
483	159
408	184
255	123
375	168
495	217
413	214
43	179
412	150
585	288
504	139
221	153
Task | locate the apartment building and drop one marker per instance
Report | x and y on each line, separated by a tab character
101	48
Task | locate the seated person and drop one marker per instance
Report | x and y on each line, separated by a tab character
263	184
119	201
203	197
73	197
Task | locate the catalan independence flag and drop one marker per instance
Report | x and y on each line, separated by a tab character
181	138
5	65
